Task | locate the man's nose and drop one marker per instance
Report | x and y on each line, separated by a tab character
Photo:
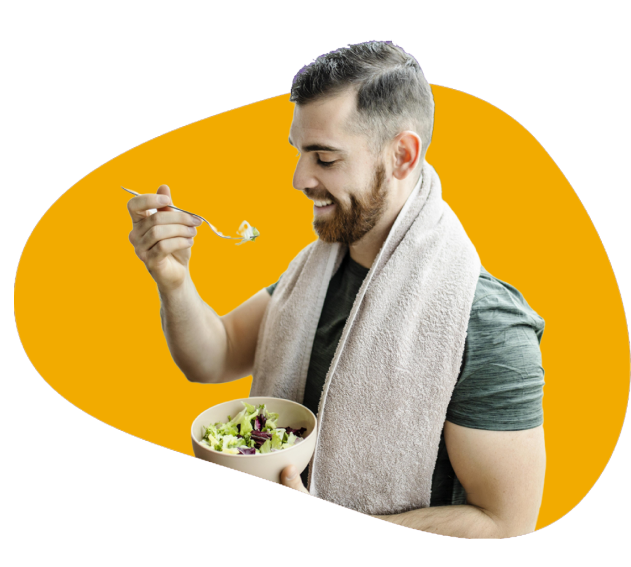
303	176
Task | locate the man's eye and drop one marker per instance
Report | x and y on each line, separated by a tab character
325	163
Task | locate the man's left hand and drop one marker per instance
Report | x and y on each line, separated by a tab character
290	477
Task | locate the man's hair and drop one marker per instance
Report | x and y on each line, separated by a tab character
392	92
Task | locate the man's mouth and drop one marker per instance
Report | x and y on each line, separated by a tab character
322	202
322	207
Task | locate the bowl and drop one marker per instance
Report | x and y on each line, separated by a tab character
267	465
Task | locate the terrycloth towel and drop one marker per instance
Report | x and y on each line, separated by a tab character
385	397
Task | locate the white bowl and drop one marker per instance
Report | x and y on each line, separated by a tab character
267	465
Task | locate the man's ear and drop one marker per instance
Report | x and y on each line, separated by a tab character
407	149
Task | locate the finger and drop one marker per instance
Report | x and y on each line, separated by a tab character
290	477
140	206
162	218
164	248
163	232
165	190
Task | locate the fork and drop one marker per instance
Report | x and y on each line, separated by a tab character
193	214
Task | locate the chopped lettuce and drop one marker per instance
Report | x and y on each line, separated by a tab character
289	440
252	431
277	438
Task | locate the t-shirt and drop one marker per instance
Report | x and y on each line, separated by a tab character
500	385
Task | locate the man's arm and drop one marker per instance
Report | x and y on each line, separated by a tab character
502	473
206	347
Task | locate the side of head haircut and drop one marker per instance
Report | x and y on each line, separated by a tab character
392	92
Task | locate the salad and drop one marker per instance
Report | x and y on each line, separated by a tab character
252	431
247	233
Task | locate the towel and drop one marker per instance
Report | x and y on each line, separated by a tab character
386	393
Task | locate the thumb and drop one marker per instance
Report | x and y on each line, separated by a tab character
290	477
164	190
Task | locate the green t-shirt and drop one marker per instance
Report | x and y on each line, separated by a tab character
500	386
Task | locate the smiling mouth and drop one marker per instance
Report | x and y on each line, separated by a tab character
322	203
320	210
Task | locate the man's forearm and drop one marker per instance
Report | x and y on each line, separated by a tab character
458	521
195	334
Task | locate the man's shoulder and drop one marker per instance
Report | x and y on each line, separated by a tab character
500	386
497	302
488	285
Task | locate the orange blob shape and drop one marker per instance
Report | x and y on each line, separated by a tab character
88	312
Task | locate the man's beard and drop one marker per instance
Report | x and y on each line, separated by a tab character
349	225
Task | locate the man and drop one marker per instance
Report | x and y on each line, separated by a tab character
424	370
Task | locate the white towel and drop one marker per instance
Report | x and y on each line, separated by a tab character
385	397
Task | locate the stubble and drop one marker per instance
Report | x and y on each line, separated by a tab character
349	225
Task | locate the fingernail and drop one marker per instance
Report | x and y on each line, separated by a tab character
197	221
293	474
163	200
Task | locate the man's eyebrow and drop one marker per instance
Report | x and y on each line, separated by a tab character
319	148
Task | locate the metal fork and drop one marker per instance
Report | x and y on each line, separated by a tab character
193	214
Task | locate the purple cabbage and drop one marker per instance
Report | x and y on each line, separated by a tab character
259	437
296	432
246	450
259	422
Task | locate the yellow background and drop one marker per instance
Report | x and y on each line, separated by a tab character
88	312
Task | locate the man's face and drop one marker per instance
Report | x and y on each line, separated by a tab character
337	170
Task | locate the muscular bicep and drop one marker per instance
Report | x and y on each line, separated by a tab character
502	473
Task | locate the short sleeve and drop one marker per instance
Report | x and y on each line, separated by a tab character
500	386
270	288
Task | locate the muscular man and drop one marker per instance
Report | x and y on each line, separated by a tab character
393	307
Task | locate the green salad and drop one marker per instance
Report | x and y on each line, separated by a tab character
252	431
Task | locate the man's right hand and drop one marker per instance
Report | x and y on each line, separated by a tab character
162	240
